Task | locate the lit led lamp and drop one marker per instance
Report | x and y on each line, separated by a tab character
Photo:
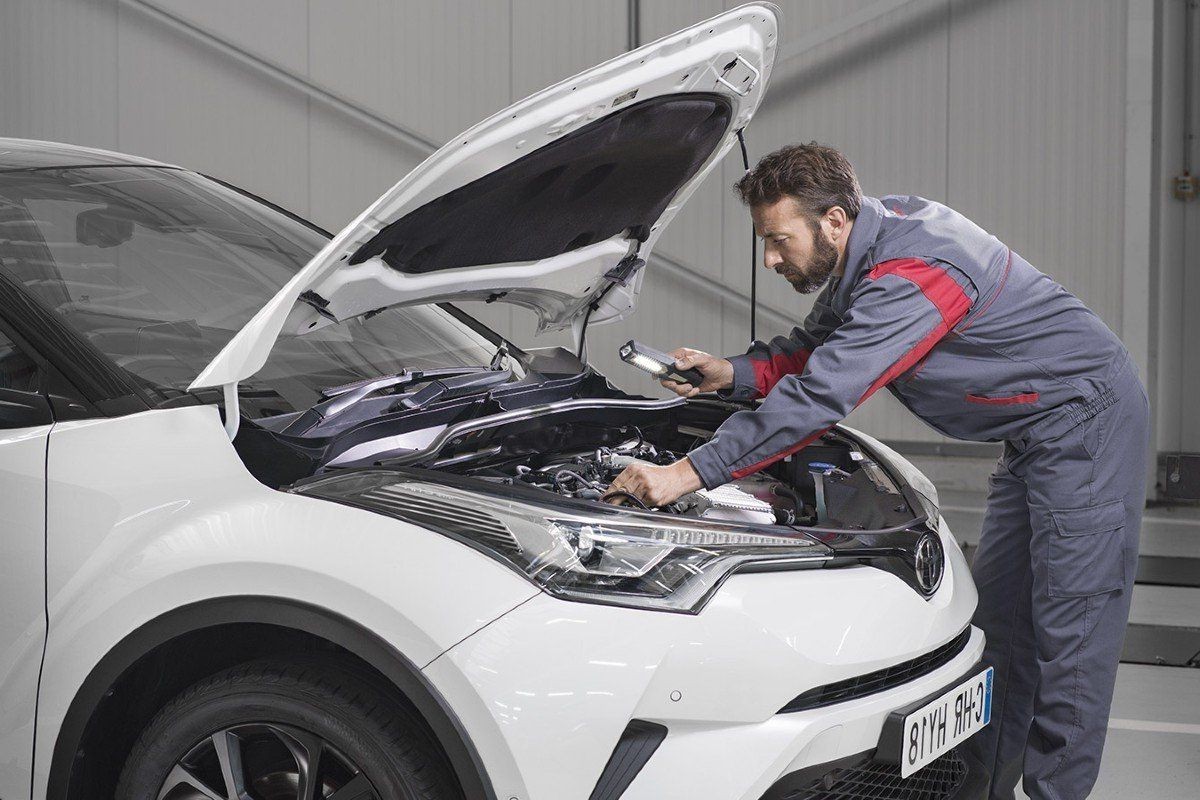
658	364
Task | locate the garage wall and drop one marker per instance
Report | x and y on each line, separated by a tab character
1012	111
1178	240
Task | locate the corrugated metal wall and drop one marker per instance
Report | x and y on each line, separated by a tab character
1179	243
1010	110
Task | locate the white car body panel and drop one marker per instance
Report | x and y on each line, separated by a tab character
558	288
546	690
154	511
137	529
22	576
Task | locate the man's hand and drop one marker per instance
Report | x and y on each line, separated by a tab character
654	485
717	372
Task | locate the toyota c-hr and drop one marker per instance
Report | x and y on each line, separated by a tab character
282	521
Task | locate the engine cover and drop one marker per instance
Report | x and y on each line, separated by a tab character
732	502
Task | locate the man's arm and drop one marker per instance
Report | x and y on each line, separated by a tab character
897	314
757	371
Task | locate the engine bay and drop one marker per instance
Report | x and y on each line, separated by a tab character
589	476
566	438
834	482
567	432
558	440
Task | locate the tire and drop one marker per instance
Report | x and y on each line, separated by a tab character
271	716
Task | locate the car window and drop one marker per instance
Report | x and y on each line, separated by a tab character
21	402
158	268
18	371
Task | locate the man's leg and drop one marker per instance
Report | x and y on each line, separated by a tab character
1003	576
1086	493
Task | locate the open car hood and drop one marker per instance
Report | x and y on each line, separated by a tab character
553	203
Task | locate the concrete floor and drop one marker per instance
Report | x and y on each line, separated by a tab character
1153	747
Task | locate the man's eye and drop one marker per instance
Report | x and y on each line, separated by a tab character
780	239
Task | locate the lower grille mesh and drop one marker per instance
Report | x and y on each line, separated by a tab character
873	781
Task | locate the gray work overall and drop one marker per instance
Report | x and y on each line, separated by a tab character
982	346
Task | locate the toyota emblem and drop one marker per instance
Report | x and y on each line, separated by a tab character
929	562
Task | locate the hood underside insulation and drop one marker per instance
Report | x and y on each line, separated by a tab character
616	174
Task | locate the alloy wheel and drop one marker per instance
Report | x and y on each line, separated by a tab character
265	761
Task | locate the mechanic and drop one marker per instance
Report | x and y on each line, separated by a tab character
984	347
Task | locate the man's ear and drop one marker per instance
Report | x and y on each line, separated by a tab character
835	221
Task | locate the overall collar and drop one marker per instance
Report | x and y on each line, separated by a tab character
858	250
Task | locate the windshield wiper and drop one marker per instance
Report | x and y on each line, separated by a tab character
207	394
447	388
339	399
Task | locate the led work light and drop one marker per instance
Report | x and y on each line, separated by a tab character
658	364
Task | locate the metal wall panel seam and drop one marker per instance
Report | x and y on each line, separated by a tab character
283	76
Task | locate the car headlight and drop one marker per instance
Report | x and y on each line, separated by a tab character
624	558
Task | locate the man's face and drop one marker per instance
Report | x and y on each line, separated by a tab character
795	245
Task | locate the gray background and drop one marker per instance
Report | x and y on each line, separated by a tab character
1055	124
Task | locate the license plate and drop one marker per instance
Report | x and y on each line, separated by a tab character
940	725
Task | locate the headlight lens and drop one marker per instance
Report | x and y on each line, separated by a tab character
638	560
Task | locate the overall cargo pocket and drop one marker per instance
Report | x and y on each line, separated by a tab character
1087	550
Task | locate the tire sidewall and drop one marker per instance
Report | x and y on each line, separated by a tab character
218	706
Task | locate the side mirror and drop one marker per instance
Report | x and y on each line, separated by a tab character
102	227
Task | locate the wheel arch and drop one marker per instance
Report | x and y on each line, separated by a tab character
279	613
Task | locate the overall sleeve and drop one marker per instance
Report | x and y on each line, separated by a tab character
899	311
757	371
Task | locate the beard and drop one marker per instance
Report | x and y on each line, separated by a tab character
820	266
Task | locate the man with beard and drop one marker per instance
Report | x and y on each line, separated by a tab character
982	346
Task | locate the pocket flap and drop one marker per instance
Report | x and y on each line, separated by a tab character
1093	519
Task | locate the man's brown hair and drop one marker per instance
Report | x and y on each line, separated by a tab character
816	176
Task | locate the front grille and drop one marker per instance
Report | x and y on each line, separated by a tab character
880	680
432	510
938	780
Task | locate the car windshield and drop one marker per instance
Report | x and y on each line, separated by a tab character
158	268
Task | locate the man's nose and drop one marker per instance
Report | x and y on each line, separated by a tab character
771	259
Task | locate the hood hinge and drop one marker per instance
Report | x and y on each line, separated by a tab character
317	303
619	275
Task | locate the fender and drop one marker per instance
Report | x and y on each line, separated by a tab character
393	665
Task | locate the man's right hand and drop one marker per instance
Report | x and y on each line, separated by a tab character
717	372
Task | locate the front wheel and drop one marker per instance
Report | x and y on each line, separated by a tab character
270	730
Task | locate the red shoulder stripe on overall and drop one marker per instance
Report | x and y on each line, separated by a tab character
946	296
941	290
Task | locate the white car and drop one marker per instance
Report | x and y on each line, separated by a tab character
283	522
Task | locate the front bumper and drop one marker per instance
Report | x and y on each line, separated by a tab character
547	691
956	775
684	765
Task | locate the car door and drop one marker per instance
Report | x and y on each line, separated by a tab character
25	422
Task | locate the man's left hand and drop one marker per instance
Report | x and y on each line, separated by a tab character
657	486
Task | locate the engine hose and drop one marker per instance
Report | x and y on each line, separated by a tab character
629	496
576	476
